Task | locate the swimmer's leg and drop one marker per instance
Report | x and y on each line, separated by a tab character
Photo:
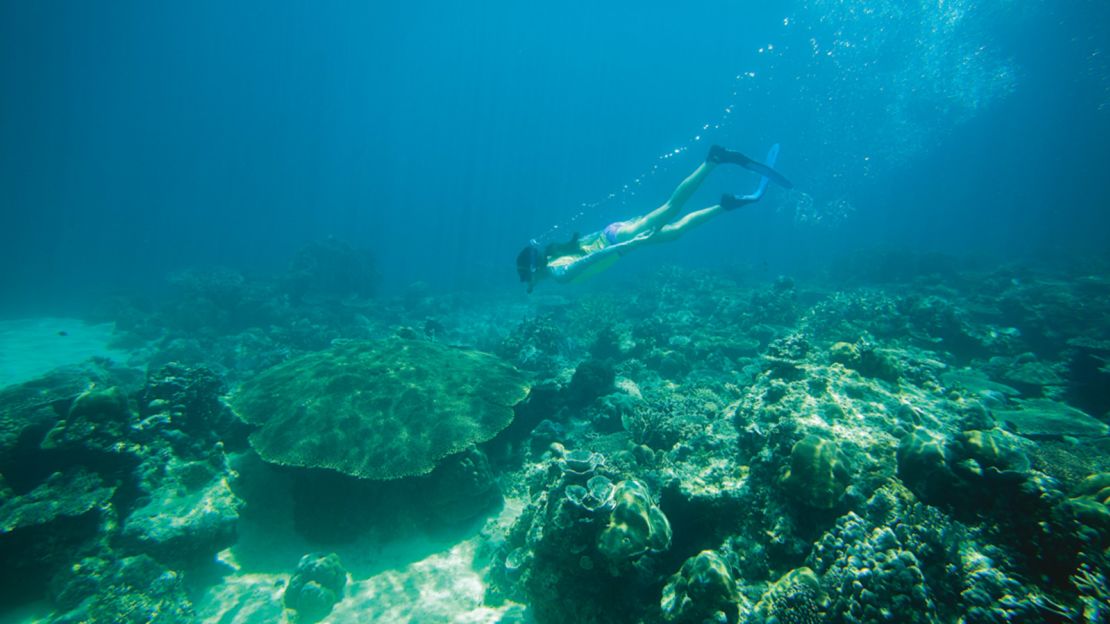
662	215
673	231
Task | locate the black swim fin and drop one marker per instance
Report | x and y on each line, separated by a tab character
718	154
769	173
732	202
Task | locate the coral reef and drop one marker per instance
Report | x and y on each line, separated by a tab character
105	513
585	534
925	445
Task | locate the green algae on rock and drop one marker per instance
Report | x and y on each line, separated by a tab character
379	409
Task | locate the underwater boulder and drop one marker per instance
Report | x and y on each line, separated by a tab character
129	590
316	586
591	380
818	474
29	409
923	465
189	512
68	494
98	421
378	410
41	530
703	590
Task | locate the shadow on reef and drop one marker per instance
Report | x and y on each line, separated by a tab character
331	509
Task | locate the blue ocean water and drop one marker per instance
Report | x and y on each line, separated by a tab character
139	139
265	356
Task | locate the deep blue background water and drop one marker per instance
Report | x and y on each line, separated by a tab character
141	138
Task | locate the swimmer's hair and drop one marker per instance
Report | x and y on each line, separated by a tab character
525	263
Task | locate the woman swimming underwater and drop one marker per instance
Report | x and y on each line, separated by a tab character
587	255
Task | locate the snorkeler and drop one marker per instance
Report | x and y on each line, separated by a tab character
587	255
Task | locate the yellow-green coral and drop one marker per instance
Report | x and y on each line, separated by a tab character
636	525
702	590
1091	501
818	473
990	451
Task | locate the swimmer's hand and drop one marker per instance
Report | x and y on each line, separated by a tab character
630	244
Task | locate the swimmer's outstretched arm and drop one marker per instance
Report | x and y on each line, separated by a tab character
570	271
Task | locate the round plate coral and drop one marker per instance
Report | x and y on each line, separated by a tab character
378	409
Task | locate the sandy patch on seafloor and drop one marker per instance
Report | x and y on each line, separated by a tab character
407	578
444	587
31	347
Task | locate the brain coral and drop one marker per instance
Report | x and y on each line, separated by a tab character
378	409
